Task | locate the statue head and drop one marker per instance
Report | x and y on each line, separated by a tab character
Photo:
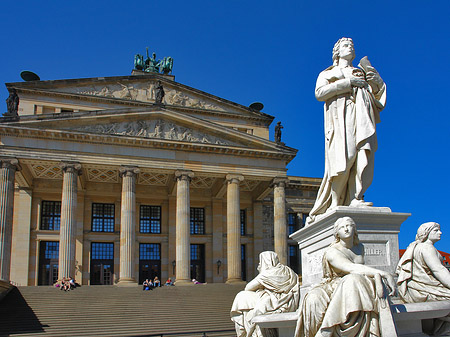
267	260
341	221
337	49
424	230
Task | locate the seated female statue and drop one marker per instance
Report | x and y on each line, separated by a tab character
274	290
349	300
421	275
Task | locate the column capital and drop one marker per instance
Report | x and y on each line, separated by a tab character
234	178
128	171
280	182
184	175
10	162
71	166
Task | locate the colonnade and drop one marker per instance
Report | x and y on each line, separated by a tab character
72	170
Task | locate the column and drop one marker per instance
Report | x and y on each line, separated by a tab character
183	249
233	228
8	168
127	225
68	219
279	225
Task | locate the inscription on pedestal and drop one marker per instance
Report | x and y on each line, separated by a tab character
375	254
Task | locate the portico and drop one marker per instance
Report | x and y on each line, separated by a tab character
127	189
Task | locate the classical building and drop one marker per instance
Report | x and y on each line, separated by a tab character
100	181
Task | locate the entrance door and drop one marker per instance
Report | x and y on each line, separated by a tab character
149	261
48	262
102	263
198	262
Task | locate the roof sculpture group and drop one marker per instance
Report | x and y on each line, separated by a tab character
152	65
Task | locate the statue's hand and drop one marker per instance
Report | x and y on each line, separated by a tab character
391	283
358	82
374	79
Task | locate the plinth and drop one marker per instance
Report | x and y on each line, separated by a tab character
377	227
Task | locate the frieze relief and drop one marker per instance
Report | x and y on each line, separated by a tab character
154	129
145	92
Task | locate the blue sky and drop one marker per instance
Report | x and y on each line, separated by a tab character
248	51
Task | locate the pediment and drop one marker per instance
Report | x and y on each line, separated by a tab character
157	128
138	89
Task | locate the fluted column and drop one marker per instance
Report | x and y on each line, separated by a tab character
233	228
280	226
183	257
68	219
127	225
8	168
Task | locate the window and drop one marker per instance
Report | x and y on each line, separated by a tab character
103	217
243	222
149	251
243	263
197	221
51	215
150	219
293	257
292	223
102	251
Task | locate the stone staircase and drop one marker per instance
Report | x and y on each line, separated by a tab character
114	311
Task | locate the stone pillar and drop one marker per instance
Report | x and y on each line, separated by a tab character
68	219
279	218
183	249
233	228
8	168
127	225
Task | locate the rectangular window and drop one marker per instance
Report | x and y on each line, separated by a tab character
51	215
197	221
243	222
102	251
149	251
292	223
150	219
243	263
51	249
103	218
293	257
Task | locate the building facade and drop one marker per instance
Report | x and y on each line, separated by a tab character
101	182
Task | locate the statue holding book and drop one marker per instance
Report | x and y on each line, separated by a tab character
353	100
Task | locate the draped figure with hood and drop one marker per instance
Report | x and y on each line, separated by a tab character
274	290
353	100
421	275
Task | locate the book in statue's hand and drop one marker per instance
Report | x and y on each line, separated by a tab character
365	65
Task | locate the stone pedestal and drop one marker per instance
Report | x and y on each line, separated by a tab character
378	229
128	225
68	220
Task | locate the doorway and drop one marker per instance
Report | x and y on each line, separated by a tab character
102	263
198	262
149	261
48	262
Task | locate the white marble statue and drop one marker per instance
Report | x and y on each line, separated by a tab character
421	275
274	290
352	298
353	100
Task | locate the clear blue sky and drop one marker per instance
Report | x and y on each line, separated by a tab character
248	51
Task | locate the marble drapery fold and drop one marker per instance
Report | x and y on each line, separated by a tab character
274	290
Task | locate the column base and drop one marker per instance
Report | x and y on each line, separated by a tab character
128	282
235	281
184	283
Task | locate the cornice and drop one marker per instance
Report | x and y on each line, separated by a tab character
23	132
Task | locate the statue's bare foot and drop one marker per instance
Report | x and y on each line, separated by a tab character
360	203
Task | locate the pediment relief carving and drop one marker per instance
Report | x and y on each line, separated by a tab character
158	129
145	92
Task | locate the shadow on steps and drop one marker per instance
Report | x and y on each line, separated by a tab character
16	316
